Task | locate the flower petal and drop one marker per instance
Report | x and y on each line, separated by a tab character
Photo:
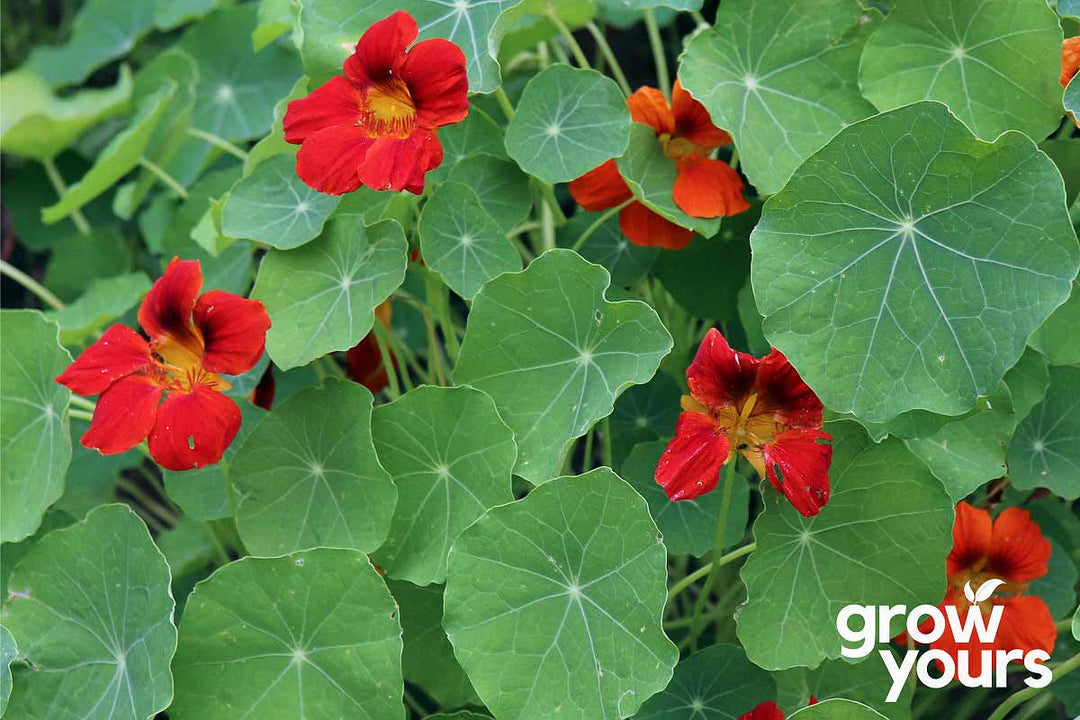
336	102
720	376
381	47
690	464
783	392
1070	60
434	71
767	710
644	227
363	364
394	163
1026	624
120	352
165	313
648	105
797	464
124	415
693	122
193	428
708	188
233	330
1018	550
972	533
329	161
600	188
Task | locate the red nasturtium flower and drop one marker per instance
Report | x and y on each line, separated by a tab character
769	710
192	338
376	125
704	187
761	408
363	361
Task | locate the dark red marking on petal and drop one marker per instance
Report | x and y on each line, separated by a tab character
693	122
193	428
165	313
972	533
120	352
233	330
1018	550
690	464
782	391
803	458
381	48
124	415
720	376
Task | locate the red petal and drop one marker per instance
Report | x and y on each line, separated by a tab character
363	364
165	313
337	102
707	188
330	160
193	428
600	188
972	532
120	352
124	415
648	105
719	376
380	48
434	71
783	392
263	394
1070	60
692	120
767	710
803	463
690	465
400	163
644	227
1018	550
233	330
1026	624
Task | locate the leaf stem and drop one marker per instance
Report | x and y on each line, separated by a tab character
60	186
605	429
393	389
83	403
597	223
575	49
548	193
586	455
707	568
609	57
219	547
148	503
31	284
659	58
439	301
718	551
219	142
504	102
80	415
164	177
1022	696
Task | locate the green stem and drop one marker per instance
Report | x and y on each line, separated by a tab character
393	342
60	186
586	456
1064	625
148	503
597	223
504	102
1022	696
575	49
80	414
393	389
708	567
548	193
219	142
31	284
659	58
699	18
718	550
219	547
164	177
80	401
605	429
609	57
439	299
414	705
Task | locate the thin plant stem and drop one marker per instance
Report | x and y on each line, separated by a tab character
439	299
148	503
39	290
718	552
605	429
586	455
548	193
396	347
80	401
1064	625
414	704
659	58
331	365
699	18
504	102
219	547
80	414
707	569
572	43
219	142
393	389
60	186
155	482
164	177
609	57
1022	696
597	223
319	370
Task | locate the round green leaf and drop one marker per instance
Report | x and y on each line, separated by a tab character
607	246
310	635
717	683
322	297
8	652
34	435
1056	338
461	242
689	526
781	77
275	207
995	62
553	603
1057	587
837	709
501	186
477	134
967	452
881	540
1045	451
1071	99
906	263
308	476
330	29
644	413
104	300
866	681
582	352
451	457
91	611
568	122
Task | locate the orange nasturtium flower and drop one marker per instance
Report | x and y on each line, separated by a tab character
760	408
1070	59
704	187
192	338
376	125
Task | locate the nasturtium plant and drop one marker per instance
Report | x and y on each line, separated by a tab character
538	359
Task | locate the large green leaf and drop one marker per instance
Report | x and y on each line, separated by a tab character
451	457
8	652
607	246
581	352
331	29
837	709
553	603
867	682
1071	99
994	62
477	134
1057	587
272	205
105	300
906	263
1045	451
322	297
881	540
1056	338
462	242
34	433
91	610
781	77
717	683
501	186
968	452
307	476
568	122
35	123
644	413
309	635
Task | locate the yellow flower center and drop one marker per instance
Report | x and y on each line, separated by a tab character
390	109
